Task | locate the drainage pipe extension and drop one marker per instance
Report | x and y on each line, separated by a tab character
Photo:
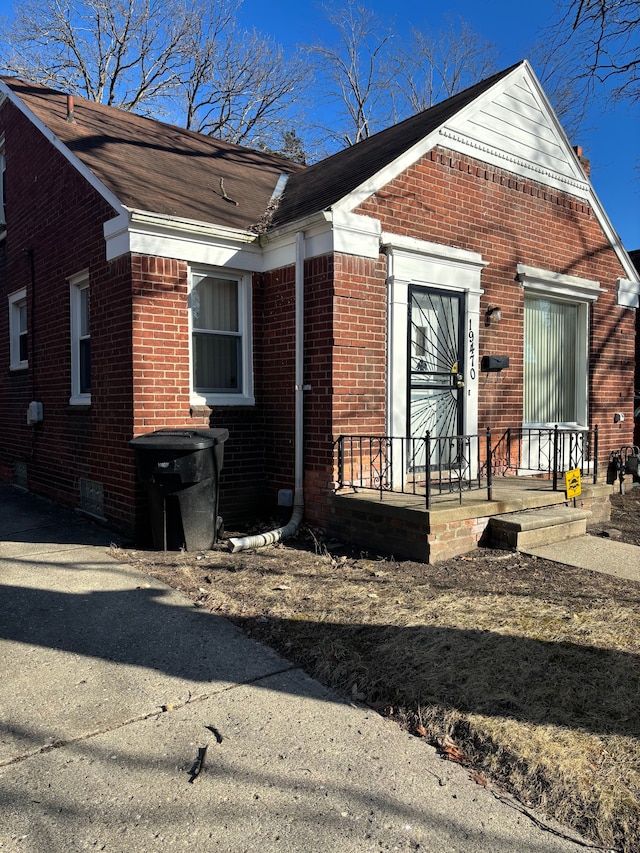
257	541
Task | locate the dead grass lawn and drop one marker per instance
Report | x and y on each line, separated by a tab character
526	670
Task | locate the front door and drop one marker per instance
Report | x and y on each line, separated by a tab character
436	370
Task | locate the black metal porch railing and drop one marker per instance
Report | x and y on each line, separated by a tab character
452	465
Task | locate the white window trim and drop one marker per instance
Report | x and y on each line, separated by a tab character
245	313
15	301
76	283
560	287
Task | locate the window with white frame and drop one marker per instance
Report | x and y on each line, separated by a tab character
554	361
220	321
79	301
556	353
18	331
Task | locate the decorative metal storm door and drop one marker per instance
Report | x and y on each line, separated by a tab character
436	375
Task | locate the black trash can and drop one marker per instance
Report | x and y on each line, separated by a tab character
181	469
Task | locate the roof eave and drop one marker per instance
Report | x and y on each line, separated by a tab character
7	93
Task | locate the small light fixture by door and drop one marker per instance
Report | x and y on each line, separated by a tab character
493	315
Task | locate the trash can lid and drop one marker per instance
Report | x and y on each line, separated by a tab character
218	435
172	439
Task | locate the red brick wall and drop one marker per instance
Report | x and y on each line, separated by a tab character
360	336
140	342
161	384
446	198
53	211
345	368
321	297
275	378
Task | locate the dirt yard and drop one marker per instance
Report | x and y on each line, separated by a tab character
523	670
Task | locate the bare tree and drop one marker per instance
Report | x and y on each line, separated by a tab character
603	39
241	87
377	78
432	67
185	60
352	68
125	53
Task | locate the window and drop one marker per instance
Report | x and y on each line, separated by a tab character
80	340
553	369
556	359
18	331
221	363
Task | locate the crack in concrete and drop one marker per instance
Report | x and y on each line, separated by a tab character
165	708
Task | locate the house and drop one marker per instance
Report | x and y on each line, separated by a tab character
452	276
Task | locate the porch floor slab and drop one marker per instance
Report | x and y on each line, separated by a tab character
401	524
516	494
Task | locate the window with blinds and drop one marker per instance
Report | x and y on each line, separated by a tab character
221	349
217	354
553	367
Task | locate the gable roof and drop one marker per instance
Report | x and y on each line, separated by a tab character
505	120
146	165
152	166
326	182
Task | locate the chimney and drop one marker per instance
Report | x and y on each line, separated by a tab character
70	116
584	162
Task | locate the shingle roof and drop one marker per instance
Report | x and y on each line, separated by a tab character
158	167
149	165
323	184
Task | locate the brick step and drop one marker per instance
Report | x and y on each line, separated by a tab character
533	527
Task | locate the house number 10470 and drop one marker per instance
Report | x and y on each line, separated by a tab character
472	353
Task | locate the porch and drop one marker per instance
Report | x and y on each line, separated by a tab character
450	487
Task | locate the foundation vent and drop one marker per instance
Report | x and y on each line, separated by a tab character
91	497
20	475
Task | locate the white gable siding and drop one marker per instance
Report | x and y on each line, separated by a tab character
515	128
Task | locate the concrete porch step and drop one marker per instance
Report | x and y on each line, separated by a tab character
534	527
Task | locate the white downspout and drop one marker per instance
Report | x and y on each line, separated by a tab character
260	539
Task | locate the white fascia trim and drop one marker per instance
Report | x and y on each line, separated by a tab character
279	246
356	197
147	233
577	186
327	232
77	164
356	235
415	246
436	137
552	283
628	293
612	236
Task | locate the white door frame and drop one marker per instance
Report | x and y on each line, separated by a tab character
412	261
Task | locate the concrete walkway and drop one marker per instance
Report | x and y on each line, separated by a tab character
596	553
112	684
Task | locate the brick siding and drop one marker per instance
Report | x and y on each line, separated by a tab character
140	340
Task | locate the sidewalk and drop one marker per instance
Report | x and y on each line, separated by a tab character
595	553
111	684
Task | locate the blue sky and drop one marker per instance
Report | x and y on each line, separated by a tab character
610	135
610	139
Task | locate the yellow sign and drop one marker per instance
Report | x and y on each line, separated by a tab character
574	484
